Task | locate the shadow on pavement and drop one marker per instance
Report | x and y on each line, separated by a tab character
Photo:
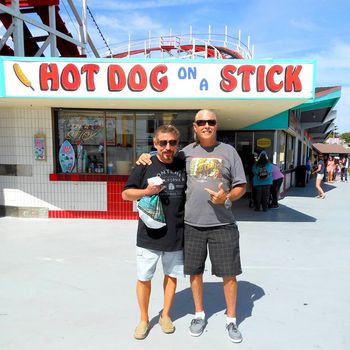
214	301
283	214
248	293
243	212
309	190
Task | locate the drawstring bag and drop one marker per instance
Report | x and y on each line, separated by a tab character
263	174
151	211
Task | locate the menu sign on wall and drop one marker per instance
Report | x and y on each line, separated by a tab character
87	130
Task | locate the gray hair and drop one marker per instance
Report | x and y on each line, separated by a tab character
204	112
167	129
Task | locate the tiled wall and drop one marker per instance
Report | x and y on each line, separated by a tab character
24	181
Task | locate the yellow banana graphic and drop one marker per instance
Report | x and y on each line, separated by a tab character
21	76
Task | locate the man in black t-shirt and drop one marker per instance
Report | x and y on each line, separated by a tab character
166	242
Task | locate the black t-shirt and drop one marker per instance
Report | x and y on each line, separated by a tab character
170	237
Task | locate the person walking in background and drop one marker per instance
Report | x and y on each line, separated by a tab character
337	169
277	179
215	179
166	242
262	180
320	170
344	163
330	169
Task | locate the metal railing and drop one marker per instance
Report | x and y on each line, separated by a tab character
217	46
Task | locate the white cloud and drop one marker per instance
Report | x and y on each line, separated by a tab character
303	24
336	55
333	64
118	30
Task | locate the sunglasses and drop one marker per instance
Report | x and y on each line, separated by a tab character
211	122
163	143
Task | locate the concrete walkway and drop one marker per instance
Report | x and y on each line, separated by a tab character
70	284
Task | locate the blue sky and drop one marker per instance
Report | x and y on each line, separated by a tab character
278	29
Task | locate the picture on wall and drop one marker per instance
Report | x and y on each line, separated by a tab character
39	147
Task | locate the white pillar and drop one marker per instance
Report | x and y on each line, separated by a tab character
275	146
18	39
53	38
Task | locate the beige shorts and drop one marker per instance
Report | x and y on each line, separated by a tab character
147	259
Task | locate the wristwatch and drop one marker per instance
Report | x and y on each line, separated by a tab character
228	203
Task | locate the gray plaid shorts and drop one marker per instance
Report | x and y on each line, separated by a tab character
223	244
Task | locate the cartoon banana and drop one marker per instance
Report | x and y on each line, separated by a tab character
21	76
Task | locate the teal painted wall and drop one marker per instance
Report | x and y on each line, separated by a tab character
276	122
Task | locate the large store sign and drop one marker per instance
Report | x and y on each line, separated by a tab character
121	79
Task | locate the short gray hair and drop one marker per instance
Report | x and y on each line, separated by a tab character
167	129
204	112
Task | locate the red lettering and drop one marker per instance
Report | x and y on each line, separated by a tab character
260	79
229	82
137	80
90	69
113	71
246	70
270	78
292	82
159	84
70	78
48	72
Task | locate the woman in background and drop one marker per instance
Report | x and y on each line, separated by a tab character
277	179
262	180
330	169
320	175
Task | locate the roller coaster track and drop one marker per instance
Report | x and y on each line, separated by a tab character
190	46
41	8
185	46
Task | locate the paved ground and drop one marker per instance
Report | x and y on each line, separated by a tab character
70	284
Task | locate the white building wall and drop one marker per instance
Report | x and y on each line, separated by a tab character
31	186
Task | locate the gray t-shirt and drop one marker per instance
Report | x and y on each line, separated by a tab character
206	167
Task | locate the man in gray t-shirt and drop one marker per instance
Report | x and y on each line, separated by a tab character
215	178
207	167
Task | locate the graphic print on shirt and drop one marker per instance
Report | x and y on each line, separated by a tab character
204	169
174	182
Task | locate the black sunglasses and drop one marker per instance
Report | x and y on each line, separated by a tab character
211	122
163	143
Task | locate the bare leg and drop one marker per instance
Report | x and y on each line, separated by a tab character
230	291
169	285
197	292
319	188
143	291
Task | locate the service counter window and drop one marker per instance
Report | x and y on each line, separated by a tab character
108	141
94	142
120	134
148	121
